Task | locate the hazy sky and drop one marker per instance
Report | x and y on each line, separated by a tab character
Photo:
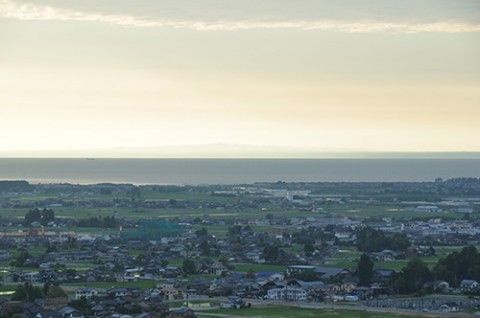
384	75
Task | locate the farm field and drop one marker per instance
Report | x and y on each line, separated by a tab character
290	312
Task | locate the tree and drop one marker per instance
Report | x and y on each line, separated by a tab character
224	260
21	258
202	232
141	259
32	216
270	253
82	306
234	233
135	193
371	240
71	242
458	266
27	292
44	216
188	266
205	248
51	248
365	270
130	309
412	277
308	248
250	274
53	291
107	222
47	216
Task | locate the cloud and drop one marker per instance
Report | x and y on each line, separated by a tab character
33	12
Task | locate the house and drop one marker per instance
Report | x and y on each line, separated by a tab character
363	292
348	287
181	313
440	285
233	302
310	285
47	314
131	275
426	208
385	256
469	286
382	275
450	307
97	309
264	275
9	307
329	272
120	316
5	255
171	294
117	292
217	268
69	312
411	252
54	303
191	293
85	292
267	285
171	271
253	256
345	236
146	315
32	277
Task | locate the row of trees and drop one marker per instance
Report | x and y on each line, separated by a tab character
44	216
371	240
28	292
15	186
458	266
107	222
413	277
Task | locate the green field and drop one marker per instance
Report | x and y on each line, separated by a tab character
352	209
290	312
349	258
142	284
258	267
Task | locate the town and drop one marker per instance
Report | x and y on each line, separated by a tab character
123	250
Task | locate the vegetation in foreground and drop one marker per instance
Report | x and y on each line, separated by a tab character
290	312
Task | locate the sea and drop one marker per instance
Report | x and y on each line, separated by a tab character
233	171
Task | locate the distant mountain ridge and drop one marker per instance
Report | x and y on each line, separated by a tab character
236	151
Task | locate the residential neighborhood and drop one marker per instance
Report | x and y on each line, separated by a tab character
254	245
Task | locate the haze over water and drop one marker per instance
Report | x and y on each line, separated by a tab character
233	171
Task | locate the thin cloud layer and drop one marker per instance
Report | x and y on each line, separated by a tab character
34	12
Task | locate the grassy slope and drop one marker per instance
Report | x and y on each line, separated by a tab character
290	312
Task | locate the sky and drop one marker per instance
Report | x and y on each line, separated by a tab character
150	77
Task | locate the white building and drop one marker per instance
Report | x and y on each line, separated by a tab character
287	294
85	292
299	269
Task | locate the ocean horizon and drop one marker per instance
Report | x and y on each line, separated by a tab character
233	171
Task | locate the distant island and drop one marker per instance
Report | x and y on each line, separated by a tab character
238	152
